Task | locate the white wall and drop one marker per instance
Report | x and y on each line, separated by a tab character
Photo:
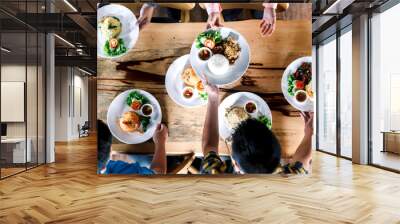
33	127
69	81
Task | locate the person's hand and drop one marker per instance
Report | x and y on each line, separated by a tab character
146	12
212	91
161	134
214	20
268	22
308	123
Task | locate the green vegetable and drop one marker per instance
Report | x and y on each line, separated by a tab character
291	84
265	120
214	35
117	51
144	121
135	95
203	96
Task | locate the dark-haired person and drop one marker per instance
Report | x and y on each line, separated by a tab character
255	149
114	163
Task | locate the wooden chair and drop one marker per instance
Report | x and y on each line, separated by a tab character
184	166
184	7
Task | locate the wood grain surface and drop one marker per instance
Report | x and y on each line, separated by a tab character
69	191
144	67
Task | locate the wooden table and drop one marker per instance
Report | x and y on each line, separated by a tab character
145	66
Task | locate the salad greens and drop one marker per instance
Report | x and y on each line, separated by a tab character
203	96
291	85
211	34
265	120
120	49
144	121
135	95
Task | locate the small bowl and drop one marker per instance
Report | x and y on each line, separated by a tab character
145	113
185	93
249	110
205	49
218	64
301	96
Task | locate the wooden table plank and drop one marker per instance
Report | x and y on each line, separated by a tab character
161	43
144	67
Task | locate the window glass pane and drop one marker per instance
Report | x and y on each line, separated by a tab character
346	94
15	150
385	84
327	97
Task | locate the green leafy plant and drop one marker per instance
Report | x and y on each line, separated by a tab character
203	96
144	121
266	121
291	85
135	95
120	49
211	34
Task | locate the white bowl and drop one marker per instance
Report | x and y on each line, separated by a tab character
235	71
255	111
129	28
309	106
218	64
303	92
149	105
118	106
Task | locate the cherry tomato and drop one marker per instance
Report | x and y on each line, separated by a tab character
299	84
113	43
209	43
136	105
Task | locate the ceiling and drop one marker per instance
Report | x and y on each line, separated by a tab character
74	22
332	15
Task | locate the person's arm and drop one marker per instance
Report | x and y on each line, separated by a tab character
210	130
214	11
303	153
268	22
146	13
159	163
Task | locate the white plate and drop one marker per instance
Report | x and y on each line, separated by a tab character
239	99
175	85
118	106
235	71
129	28
307	106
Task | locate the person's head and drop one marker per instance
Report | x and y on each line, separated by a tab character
104	141
255	149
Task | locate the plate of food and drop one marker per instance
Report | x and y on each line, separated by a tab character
117	31
239	107
222	55
297	84
183	85
133	116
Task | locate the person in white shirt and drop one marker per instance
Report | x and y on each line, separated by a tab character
267	25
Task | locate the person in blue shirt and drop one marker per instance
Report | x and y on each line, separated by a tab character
107	164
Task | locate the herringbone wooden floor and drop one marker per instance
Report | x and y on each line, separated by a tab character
69	191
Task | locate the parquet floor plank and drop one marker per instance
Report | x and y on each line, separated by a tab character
70	191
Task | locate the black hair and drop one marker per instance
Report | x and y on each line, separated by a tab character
104	141
255	148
